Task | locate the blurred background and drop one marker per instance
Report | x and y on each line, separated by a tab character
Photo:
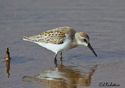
103	21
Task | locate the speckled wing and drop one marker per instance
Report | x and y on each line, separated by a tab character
54	36
57	35
67	30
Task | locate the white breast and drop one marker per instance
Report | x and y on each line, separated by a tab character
56	47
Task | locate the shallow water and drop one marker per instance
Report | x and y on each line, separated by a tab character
32	66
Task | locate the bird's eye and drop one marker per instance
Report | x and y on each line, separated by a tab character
85	40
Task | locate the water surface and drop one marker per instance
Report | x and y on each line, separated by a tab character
103	21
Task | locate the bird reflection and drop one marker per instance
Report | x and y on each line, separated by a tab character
62	77
7	58
8	68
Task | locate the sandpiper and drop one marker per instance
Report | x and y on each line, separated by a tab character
59	39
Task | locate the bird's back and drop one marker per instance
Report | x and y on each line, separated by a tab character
54	36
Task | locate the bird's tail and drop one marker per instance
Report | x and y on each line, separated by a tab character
30	38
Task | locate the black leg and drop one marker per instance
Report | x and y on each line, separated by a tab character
55	57
61	54
55	61
61	57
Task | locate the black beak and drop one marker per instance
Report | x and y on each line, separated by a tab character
90	47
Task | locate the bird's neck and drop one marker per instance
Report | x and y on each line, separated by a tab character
74	43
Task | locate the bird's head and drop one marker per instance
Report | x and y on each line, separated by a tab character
83	39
